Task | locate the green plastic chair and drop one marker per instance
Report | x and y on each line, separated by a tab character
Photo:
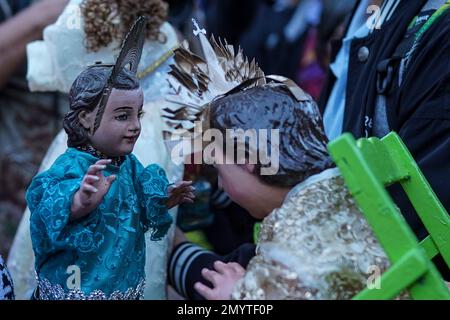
368	166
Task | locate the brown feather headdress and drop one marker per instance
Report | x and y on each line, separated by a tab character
195	82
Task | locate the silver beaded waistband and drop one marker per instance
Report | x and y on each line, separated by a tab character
48	291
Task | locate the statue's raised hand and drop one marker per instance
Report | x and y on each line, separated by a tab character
92	190
180	192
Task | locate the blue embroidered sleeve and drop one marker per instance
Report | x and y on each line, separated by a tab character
50	200
154	183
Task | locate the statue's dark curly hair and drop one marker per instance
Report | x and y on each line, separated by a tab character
108	20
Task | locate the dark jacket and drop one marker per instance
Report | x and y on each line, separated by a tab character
418	109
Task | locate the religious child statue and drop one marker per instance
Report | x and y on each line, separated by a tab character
89	31
91	208
314	243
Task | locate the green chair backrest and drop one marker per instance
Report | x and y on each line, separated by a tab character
370	165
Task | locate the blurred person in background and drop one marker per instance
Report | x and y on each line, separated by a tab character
282	38
28	121
229	19
180	15
334	17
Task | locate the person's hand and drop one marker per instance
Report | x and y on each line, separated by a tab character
47	11
224	279
92	190
180	192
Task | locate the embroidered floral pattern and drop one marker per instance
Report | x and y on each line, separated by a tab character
108	244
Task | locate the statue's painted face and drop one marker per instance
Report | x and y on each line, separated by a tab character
120	125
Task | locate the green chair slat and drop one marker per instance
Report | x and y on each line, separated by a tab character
368	167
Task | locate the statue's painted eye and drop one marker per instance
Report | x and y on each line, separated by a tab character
122	117
141	114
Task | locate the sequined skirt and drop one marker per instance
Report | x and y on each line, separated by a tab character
48	291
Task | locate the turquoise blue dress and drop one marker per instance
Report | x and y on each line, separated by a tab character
108	245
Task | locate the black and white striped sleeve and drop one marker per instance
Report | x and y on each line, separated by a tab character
186	258
187	261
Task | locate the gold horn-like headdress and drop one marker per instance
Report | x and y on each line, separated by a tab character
128	59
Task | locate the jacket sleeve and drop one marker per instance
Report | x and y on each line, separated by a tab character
187	261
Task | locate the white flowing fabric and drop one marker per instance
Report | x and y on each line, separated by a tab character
53	65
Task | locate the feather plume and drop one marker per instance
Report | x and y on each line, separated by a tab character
196	81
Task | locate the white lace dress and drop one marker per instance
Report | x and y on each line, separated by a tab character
53	65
